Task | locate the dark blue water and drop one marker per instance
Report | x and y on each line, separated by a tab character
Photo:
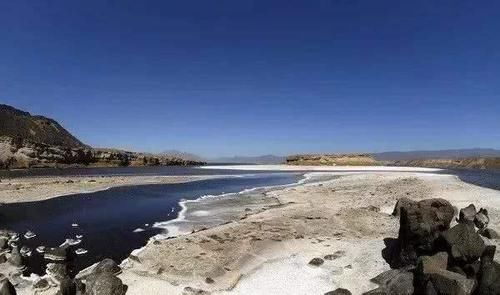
107	219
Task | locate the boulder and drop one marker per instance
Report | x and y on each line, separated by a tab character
448	282
463	243
6	287
402	202
427	265
15	257
395	281
105	283
67	287
107	265
420	226
194	291
467	214
58	271
489	278
489	233
339	291
481	219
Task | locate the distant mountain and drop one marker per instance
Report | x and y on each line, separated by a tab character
182	155
437	154
265	159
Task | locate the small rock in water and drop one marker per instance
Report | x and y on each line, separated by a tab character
138	230
74	224
79	236
80	251
40	249
316	261
29	235
25	251
70	242
56	254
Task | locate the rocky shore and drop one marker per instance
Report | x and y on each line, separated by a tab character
339	234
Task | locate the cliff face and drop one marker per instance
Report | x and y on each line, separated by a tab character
333	160
34	141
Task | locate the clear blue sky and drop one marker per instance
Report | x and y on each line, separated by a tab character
256	77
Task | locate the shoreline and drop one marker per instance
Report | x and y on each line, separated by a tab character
285	227
40	188
280	250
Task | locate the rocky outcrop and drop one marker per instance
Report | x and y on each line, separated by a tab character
436	259
28	141
333	160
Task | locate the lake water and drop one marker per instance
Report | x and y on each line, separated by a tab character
107	219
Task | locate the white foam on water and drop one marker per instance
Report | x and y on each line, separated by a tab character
138	230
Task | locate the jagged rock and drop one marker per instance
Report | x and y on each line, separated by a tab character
489	233
402	202
194	291
3	242
316	261
481	219
6	287
105	283
420	226
339	291
58	271
489	250
448	282
41	284
467	214
107	265
426	266
489	278
378	291
67	287
463	243
3	258
395	281
15	257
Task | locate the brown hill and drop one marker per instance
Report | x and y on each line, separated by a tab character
467	163
333	160
35	141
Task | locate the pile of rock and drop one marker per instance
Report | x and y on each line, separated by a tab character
429	257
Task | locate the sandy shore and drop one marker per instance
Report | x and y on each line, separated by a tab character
267	251
29	189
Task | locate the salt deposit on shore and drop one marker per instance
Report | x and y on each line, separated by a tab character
267	251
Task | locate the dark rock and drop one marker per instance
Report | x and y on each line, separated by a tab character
420	226
80	287
489	233
6	287
448	282
402	202
67	287
489	278
41	284
472	269
107	265
209	280
481	219
489	250
3	258
15	257
467	214
427	265
339	291
3	242
378	291
194	291
463	243
316	261
395	281
105	283
58	271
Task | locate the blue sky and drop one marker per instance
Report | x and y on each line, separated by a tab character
257	77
